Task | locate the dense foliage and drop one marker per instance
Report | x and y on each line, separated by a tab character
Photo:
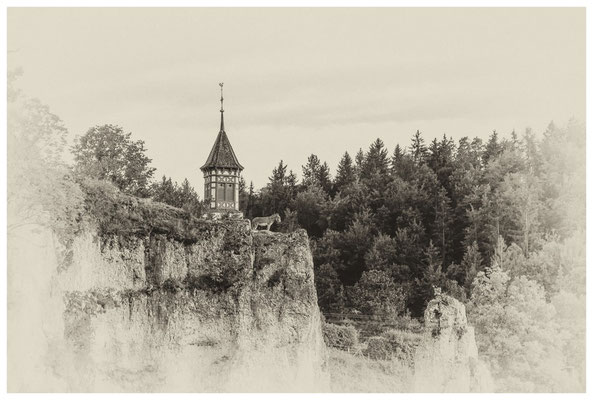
105	152
181	196
41	190
496	224
431	214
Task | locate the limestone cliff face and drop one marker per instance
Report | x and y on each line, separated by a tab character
209	307
447	359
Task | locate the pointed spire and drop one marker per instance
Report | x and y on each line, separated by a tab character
222	154
221	84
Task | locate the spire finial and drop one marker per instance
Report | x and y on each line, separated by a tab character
221	84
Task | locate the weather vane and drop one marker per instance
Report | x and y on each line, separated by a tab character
221	84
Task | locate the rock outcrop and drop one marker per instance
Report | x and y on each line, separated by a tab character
193	305
447	359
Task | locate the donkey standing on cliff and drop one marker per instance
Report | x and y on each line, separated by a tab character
265	221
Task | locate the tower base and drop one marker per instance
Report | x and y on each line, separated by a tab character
222	214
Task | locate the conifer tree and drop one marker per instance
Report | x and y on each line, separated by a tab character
418	149
317	174
359	160
493	148
376	161
345	174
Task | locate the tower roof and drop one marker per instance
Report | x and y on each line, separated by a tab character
222	154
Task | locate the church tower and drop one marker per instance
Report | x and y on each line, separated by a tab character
221	172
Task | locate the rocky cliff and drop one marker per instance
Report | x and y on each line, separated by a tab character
158	301
447	358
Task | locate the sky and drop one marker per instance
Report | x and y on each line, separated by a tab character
299	81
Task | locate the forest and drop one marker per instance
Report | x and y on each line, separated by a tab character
498	223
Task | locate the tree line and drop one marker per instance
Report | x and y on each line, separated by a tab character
423	215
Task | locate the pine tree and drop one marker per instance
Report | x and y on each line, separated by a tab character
311	171
189	199
249	204
345	174
166	192
442	223
359	160
278	174
324	178
280	191
533	158
317	174
493	148
397	158
471	265
418	149
376	161
402	164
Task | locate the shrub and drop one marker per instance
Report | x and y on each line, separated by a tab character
407	323
402	343
340	336
377	294
378	348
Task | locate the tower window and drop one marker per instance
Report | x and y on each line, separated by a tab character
220	192
229	192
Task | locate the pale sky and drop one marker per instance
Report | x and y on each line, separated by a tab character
299	81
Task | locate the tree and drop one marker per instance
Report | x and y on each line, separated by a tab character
533	158
252	207
277	196
165	191
311	170
469	268
349	202
402	164
397	158
105	152
359	160
493	148
441	159
244	196
442	223
376	294
190	201
330	291
352	246
181	196
40	188
520	193
317	174
376	161
345	174
432	275
516	332
418	149
310	206
384	256
290	222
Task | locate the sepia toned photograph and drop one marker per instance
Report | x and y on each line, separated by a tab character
295	200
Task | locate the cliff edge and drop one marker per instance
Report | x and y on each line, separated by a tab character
158	301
